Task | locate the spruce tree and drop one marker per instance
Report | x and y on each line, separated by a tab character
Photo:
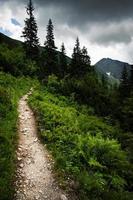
86	62
63	61
85	57
75	66
50	53
31	41
131	79
124	84
80	64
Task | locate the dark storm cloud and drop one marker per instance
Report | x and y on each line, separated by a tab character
101	21
83	11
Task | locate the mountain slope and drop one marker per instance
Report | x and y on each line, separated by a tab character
111	67
12	43
9	41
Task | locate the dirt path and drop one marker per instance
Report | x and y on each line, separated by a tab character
34	175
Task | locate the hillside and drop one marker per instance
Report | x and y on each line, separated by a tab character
12	43
112	67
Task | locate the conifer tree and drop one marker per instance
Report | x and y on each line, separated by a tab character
51	59
31	41
85	56
124	84
63	61
131	79
80	63
75	66
86	62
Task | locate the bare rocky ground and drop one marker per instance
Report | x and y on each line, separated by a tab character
34	178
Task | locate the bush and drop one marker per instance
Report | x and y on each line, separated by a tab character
14	61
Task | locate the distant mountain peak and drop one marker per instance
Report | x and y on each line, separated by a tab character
112	67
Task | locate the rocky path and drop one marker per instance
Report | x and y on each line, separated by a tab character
34	179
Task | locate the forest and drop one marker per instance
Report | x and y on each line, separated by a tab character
85	119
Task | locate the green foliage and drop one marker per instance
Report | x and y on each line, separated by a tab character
127	114
14	61
87	90
124	84
11	89
82	145
63	69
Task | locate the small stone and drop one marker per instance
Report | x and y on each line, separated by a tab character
19	158
21	165
63	197
19	149
35	140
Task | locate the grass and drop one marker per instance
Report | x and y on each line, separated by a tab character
11	89
83	147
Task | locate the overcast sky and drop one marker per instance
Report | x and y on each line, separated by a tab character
105	27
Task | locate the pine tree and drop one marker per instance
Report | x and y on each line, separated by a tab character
131	79
80	64
31	41
85	57
63	61
75	66
51	59
86	62
124	84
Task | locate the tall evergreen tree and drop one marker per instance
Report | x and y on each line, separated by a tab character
80	63
86	62
131	79
85	57
50	53
76	62
31	41
124	84
63	61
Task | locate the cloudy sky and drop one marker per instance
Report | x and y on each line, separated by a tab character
105	27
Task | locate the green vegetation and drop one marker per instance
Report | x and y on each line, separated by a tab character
11	89
14	61
82	146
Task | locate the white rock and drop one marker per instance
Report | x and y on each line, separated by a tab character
35	140
21	165
63	197
19	158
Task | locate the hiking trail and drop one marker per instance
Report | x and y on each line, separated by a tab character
34	178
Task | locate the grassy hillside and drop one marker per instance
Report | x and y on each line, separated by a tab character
10	42
11	89
83	147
